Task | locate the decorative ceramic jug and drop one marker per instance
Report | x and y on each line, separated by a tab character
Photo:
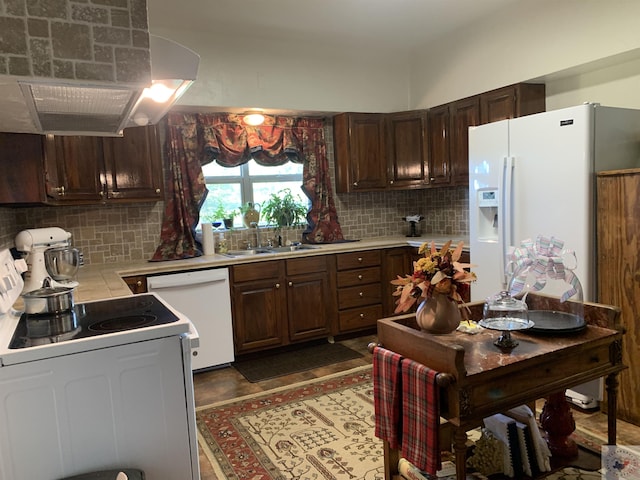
438	314
251	215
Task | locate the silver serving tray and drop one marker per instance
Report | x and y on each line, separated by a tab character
551	322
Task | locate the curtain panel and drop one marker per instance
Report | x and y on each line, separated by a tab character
201	138
185	190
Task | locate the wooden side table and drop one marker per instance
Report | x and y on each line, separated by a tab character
485	381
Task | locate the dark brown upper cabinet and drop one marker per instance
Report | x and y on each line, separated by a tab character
407	165
81	170
360	152
511	102
375	151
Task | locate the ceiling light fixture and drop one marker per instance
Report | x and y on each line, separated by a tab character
253	118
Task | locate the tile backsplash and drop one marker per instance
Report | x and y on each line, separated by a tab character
123	233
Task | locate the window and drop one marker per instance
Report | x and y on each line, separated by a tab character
232	187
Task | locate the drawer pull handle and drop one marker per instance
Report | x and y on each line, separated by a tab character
291	284
362	315
277	285
361	294
359	277
360	259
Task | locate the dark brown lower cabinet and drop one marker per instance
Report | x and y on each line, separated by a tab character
280	302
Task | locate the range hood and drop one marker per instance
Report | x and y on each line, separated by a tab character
79	108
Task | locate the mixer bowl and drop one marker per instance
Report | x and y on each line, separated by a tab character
62	263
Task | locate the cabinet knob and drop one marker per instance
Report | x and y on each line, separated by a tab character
359	277
102	193
362	315
291	284
361	294
60	190
139	283
355	184
390	182
360	259
158	191
277	285
431	179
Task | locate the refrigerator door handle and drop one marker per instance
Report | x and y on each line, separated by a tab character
509	165
504	220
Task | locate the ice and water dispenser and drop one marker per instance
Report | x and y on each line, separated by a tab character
488	214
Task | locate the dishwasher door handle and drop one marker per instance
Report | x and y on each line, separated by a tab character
185	283
186	279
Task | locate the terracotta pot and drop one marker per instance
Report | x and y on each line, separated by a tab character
438	314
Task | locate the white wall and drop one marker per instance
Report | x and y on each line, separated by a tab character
615	86
243	71
532	39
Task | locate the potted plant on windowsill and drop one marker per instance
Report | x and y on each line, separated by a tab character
222	213
284	209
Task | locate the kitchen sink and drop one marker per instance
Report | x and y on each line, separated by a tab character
270	250
245	253
291	248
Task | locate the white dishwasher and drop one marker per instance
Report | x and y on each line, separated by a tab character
202	296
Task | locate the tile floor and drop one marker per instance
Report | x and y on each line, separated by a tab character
226	383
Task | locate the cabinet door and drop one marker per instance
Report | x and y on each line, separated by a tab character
407	164
134	165
464	114
137	283
396	261
22	166
74	166
511	102
309	311
618	228
259	313
360	152
439	145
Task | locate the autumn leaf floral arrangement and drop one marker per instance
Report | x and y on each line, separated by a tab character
436	273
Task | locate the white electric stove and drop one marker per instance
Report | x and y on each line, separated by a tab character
107	385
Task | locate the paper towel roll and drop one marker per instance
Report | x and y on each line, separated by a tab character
208	245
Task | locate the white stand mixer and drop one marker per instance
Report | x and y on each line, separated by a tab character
48	254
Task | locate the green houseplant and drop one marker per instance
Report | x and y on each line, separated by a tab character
221	213
283	209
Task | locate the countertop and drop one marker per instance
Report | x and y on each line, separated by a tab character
106	280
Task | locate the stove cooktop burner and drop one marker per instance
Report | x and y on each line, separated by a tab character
98	318
119	324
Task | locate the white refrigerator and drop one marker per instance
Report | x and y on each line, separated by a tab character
535	175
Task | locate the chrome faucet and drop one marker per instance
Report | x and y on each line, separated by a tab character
257	227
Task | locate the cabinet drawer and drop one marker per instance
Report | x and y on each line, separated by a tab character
370	258
256	271
360	276
350	297
299	266
356	318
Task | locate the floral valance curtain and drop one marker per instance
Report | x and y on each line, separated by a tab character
195	140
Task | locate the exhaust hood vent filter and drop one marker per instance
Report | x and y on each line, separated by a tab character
66	109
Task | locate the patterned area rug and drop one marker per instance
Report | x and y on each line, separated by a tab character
321	429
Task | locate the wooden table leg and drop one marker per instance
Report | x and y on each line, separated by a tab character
460	449
391	459
558	423
612	408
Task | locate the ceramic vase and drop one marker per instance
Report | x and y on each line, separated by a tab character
438	315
